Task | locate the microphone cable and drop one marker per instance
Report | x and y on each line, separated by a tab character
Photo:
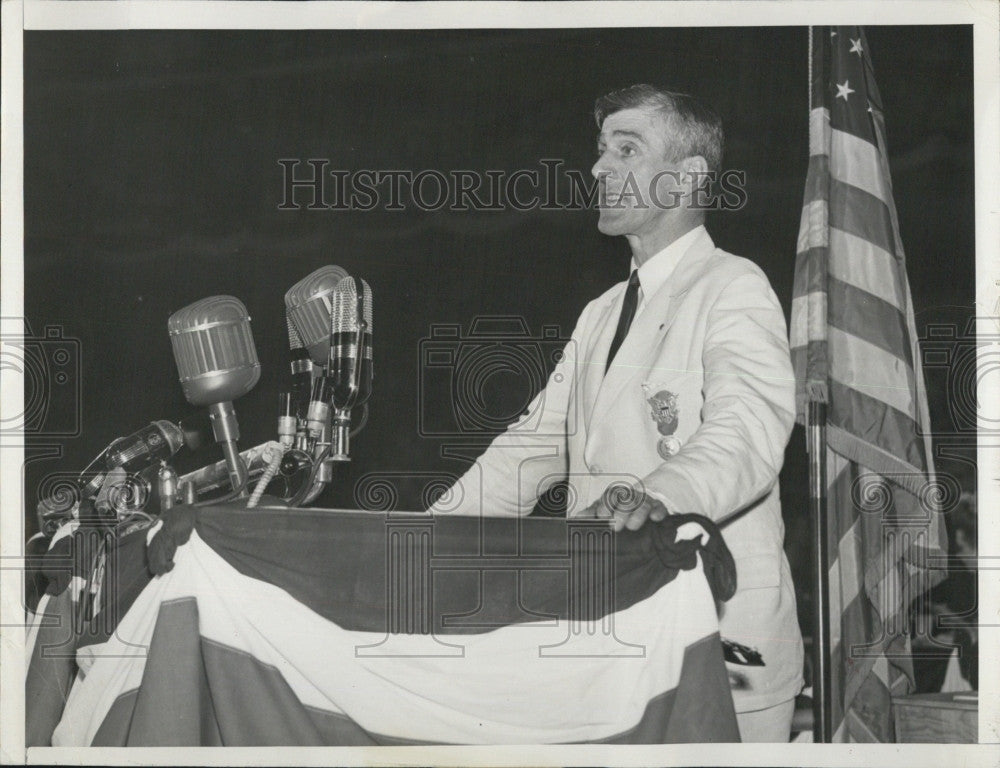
301	494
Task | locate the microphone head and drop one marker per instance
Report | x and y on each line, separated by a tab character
214	350
346	306
158	440
350	368
294	340
171	433
308	304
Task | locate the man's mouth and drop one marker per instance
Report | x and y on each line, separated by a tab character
610	198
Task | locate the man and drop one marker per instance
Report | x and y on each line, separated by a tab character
677	381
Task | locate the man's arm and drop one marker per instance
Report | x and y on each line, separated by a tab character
734	457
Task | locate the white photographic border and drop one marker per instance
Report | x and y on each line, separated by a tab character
983	15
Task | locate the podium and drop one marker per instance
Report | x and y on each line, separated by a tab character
314	627
936	718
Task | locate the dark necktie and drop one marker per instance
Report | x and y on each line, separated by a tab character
629	306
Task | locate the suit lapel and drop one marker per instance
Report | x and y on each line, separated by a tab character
638	350
596	355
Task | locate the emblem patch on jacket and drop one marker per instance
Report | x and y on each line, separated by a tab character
665	412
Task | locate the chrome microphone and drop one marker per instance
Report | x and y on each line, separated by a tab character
217	363
157	441
349	364
302	369
308	304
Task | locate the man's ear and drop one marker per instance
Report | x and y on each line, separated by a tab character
697	182
696	170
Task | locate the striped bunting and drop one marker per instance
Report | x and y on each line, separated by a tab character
312	627
58	627
853	342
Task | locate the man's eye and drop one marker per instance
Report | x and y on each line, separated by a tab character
627	150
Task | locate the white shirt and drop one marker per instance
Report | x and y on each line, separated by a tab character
653	275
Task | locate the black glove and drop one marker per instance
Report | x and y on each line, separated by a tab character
178	522
717	560
57	565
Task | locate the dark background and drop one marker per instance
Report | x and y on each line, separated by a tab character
152	180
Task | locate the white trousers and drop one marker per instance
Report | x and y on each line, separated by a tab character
771	724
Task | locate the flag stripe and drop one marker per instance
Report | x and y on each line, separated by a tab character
253	705
373	574
809	314
876	423
867	721
848	567
813	226
894	432
851	260
852	622
871	370
868	317
852	160
855	161
811	358
851	209
819	131
810	272
50	668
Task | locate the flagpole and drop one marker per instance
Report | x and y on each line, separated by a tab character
821	677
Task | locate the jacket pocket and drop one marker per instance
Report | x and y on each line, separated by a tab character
758	571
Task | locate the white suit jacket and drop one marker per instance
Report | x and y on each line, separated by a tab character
714	335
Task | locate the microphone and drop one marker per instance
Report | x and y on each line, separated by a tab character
349	364
217	363
157	441
308	304
302	368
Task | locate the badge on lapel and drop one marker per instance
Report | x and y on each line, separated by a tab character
665	412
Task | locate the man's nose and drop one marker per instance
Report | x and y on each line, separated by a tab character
601	169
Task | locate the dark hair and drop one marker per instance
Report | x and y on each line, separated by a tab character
695	128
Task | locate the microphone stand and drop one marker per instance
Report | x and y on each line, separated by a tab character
218	475
227	432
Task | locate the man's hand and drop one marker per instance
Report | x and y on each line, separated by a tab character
626	507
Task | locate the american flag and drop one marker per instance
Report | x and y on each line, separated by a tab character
853	344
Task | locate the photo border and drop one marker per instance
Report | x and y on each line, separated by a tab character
18	16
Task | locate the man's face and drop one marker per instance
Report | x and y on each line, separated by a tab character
639	187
